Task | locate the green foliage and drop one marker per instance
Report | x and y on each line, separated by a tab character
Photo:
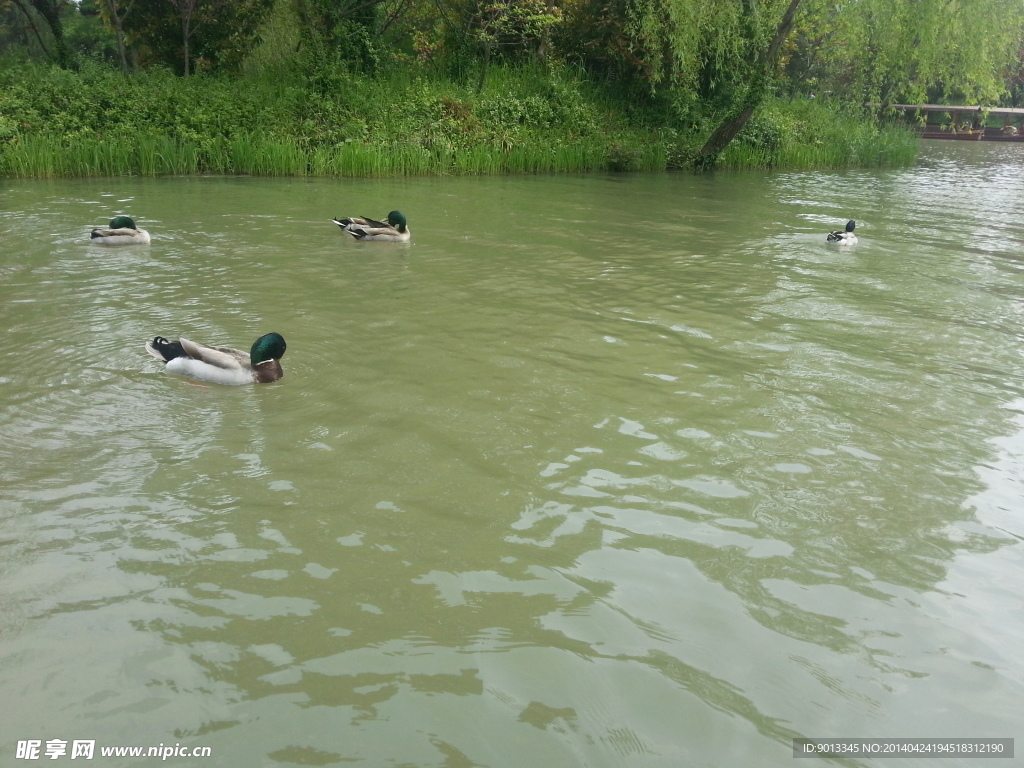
816	134
528	120
220	32
86	33
704	47
274	55
671	63
513	27
339	36
100	100
911	51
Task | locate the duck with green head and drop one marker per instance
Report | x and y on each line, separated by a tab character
843	236
394	229
122	231
222	365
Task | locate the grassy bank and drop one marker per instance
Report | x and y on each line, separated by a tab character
98	122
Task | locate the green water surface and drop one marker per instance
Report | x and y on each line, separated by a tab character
626	470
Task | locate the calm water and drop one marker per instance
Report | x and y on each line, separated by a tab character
597	471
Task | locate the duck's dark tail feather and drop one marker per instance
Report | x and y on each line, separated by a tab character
165	350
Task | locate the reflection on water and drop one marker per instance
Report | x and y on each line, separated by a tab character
602	471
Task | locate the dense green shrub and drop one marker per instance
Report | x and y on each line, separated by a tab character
98	121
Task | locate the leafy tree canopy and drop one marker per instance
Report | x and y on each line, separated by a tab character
214	34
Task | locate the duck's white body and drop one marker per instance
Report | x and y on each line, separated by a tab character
122	231
220	365
204	371
121	236
394	230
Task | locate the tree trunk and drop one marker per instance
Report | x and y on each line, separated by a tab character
187	10
120	46
305	18
35	29
483	67
118	33
544	45
764	68
50	11
722	136
184	39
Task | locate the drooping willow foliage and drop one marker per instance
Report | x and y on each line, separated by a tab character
914	51
869	50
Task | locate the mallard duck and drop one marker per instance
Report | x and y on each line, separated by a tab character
122	231
222	365
393	229
843	237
